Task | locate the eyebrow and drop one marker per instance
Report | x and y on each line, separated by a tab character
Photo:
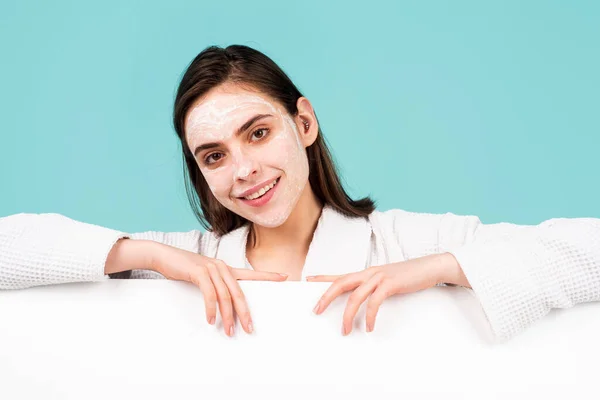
240	130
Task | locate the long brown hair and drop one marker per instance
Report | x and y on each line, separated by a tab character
249	67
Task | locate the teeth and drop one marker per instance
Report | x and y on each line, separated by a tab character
261	191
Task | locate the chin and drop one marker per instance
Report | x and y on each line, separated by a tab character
270	220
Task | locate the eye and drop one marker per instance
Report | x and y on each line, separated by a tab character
212	158
260	133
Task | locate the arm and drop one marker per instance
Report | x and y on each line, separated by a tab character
124	262
44	249
518	272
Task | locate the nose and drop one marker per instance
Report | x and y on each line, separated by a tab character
245	166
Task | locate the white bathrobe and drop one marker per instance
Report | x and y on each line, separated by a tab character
518	272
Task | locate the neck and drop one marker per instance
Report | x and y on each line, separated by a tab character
297	231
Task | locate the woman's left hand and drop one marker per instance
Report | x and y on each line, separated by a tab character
383	281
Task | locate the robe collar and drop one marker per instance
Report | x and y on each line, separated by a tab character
340	245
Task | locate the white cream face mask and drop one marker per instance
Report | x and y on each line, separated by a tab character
269	149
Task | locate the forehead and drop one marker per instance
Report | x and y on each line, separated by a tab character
224	109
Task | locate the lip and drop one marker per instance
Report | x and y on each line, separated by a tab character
263	200
256	188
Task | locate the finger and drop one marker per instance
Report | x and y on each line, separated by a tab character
201	278
342	285
323	278
224	298
379	295
356	299
237	295
252	275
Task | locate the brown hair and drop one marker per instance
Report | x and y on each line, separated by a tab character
243	65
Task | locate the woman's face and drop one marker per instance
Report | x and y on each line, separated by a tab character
244	141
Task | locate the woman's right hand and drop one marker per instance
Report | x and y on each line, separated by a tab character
216	280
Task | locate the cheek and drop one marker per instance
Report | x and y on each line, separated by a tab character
218	180
283	151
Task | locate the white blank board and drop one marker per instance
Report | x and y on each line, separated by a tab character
149	339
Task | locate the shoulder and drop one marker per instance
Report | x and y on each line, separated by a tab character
405	223
397	217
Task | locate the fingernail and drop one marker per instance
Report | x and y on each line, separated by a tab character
250	328
343	330
231	330
316	309
284	275
211	320
369	328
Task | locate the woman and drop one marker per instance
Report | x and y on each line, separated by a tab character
262	181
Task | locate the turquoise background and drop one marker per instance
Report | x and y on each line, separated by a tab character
479	108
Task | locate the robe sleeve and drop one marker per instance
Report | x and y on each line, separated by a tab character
49	248
518	272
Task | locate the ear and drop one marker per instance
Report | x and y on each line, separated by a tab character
306	122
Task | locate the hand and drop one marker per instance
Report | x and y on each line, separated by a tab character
216	280
384	281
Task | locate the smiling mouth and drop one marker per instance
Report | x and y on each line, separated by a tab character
261	192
